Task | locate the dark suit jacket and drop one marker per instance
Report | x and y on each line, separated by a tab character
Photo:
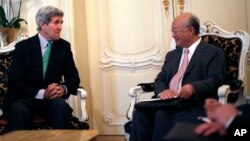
205	72
240	122
178	133
25	76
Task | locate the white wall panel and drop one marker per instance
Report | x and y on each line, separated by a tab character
126	46
131	40
131	33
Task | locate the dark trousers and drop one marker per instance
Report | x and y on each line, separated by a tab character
154	125
56	111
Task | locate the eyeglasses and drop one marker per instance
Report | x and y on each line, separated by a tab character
178	29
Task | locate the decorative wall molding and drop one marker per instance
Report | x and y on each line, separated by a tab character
108	119
181	6
151	59
178	7
133	61
166	6
114	57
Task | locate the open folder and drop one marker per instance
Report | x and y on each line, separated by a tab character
154	104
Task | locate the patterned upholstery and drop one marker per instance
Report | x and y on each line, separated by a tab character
232	49
235	45
5	62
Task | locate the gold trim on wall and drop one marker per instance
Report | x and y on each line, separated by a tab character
181	6
178	7
166	6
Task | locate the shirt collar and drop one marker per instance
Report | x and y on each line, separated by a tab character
193	46
43	41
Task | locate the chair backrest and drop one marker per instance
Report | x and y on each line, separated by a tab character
235	45
5	61
6	54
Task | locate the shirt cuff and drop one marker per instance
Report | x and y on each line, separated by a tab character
231	120
158	96
40	94
65	89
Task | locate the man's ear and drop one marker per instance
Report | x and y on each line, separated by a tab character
191	29
43	25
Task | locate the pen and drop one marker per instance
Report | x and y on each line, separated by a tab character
205	119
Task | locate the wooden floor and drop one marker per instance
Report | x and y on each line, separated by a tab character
110	138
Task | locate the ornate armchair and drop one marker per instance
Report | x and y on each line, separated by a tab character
235	45
77	121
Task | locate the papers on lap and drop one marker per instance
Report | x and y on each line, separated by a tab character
156	103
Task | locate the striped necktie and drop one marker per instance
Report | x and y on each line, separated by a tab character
46	57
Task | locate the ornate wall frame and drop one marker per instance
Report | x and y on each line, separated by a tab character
179	6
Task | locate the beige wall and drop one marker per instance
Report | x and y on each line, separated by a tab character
81	48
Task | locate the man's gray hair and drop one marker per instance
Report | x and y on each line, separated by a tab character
45	13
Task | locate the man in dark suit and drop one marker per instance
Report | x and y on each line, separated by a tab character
226	120
223	123
33	88
202	77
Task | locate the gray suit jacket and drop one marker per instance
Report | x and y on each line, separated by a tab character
205	72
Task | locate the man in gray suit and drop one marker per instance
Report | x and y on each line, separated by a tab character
202	77
33	88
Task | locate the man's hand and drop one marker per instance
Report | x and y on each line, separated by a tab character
223	113
54	91
167	94
186	91
219	114
207	129
211	105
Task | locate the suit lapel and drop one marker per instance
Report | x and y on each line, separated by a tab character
39	58
197	54
176	61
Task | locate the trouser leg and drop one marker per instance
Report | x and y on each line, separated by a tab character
142	126
163	124
60	113
20	115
